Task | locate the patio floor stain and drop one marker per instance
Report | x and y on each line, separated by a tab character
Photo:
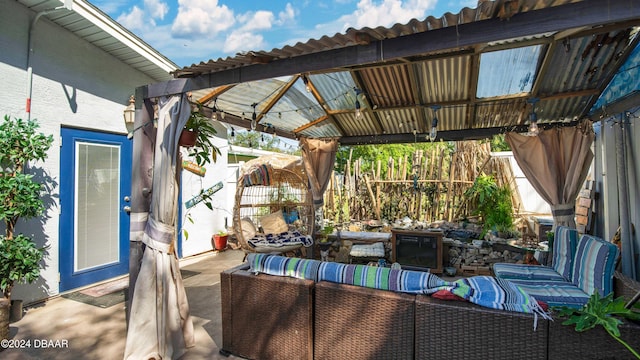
110	294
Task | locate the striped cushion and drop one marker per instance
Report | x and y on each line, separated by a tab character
283	266
554	293
408	281
525	272
482	290
594	265
416	282
565	241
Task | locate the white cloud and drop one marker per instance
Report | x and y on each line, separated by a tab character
259	20
389	12
140	19
289	14
201	18
371	13
156	8
242	40
134	20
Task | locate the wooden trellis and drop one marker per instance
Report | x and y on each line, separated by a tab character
427	186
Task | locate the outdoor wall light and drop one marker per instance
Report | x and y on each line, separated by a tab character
130	115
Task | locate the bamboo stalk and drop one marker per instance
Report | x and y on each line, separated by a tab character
452	170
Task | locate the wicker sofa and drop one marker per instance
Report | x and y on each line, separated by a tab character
276	317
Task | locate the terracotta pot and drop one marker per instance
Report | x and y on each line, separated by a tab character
188	138
220	242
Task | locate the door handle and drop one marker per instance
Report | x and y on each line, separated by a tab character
127	209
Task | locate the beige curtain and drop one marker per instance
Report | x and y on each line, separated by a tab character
556	162
160	326
319	157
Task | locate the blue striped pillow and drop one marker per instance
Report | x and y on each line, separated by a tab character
594	265
565	241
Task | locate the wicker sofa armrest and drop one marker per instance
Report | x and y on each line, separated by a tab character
625	286
476	332
267	317
566	343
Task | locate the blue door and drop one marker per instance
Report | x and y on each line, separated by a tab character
95	182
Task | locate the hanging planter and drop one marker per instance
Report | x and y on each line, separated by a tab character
188	138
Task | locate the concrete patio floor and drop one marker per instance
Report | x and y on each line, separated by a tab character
92	332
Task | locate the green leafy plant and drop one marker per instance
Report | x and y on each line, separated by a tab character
19	262
222	233
493	204
604	311
550	235
204	152
325	232
20	143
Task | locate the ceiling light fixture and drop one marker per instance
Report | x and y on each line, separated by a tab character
433	133
305	80
358	111
214	113
254	122
533	118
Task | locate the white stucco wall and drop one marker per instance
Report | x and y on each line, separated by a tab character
74	84
206	222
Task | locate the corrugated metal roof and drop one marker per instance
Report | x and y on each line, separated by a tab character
463	62
89	23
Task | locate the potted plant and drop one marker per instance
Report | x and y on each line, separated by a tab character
19	263
199	130
20	193
220	240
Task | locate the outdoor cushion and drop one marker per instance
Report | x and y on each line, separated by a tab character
368	250
283	242
248	228
526	272
553	293
565	241
594	265
564	247
274	223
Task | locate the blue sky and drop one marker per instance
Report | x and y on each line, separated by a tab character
191	31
